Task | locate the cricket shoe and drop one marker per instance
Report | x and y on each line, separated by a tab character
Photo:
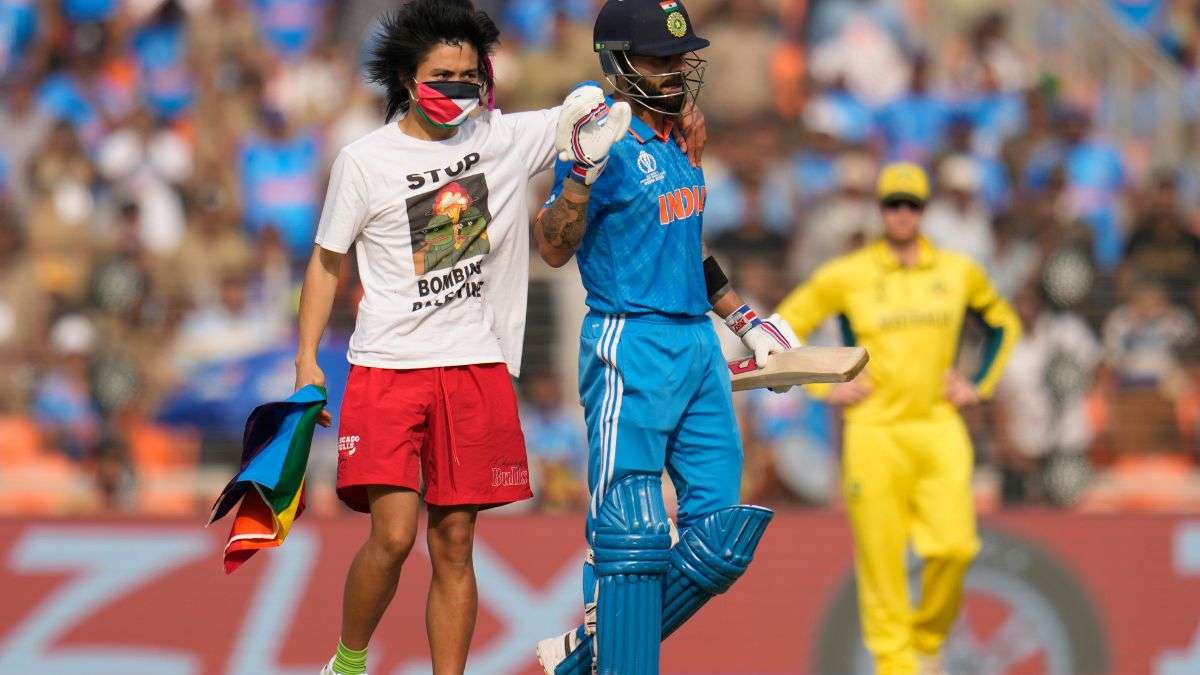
553	651
328	669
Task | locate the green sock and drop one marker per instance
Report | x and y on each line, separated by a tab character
349	661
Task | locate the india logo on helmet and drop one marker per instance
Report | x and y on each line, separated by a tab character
677	24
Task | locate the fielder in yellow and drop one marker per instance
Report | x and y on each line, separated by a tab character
907	458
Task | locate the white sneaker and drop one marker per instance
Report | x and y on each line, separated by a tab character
930	664
553	651
328	669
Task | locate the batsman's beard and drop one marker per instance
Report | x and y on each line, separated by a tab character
672	102
634	85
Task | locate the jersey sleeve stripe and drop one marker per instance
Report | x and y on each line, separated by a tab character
994	337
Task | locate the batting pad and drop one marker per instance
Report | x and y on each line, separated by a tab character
631	542
709	557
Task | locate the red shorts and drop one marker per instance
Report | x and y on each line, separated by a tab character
455	429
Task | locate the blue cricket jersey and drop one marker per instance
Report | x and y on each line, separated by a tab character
641	253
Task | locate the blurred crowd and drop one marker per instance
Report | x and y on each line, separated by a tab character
162	166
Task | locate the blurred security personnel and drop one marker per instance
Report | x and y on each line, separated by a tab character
907	457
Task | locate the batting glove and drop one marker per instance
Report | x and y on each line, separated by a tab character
763	338
587	129
778	323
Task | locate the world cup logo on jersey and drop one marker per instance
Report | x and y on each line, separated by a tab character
649	167
646	163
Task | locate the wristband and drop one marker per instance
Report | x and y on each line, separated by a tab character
715	281
742	320
578	172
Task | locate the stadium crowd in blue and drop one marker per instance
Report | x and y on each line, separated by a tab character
162	166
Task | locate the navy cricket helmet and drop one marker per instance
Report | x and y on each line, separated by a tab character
657	28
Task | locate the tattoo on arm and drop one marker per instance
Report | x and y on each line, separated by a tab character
560	228
563	224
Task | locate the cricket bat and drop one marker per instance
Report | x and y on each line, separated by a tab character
799	365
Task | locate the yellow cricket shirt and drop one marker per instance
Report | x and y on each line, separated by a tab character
909	320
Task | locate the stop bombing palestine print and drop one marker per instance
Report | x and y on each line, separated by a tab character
449	224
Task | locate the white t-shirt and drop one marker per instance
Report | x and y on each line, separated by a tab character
442	236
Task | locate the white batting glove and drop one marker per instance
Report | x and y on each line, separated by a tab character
778	323
785	329
587	129
763	338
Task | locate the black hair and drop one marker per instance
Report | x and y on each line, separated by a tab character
408	34
170	12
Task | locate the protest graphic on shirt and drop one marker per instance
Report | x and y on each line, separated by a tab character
449	224
440	232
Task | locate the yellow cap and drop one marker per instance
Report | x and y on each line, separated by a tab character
903	180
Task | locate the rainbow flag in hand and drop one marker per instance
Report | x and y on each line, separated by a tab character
270	483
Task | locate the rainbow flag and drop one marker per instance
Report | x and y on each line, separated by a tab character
270	483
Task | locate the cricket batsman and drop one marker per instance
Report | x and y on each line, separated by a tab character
653	382
907	460
435	204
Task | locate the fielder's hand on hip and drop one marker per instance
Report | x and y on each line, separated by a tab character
587	129
850	393
959	391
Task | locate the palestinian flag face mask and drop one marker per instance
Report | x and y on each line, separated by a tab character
446	104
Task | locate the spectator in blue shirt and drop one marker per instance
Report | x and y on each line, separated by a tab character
1147	16
533	21
84	11
280	182
913	127
291	27
850	118
1094	176
62	398
827	20
814	166
731	196
757	234
994	185
997	114
799	433
18	28
161	51
65	95
556	442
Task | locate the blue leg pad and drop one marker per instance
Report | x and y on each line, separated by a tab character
709	557
579	661
631	543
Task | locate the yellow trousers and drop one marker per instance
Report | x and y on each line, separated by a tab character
909	482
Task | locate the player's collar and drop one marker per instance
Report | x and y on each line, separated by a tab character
644	132
889	260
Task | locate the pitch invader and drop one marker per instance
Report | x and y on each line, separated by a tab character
434	203
653	381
